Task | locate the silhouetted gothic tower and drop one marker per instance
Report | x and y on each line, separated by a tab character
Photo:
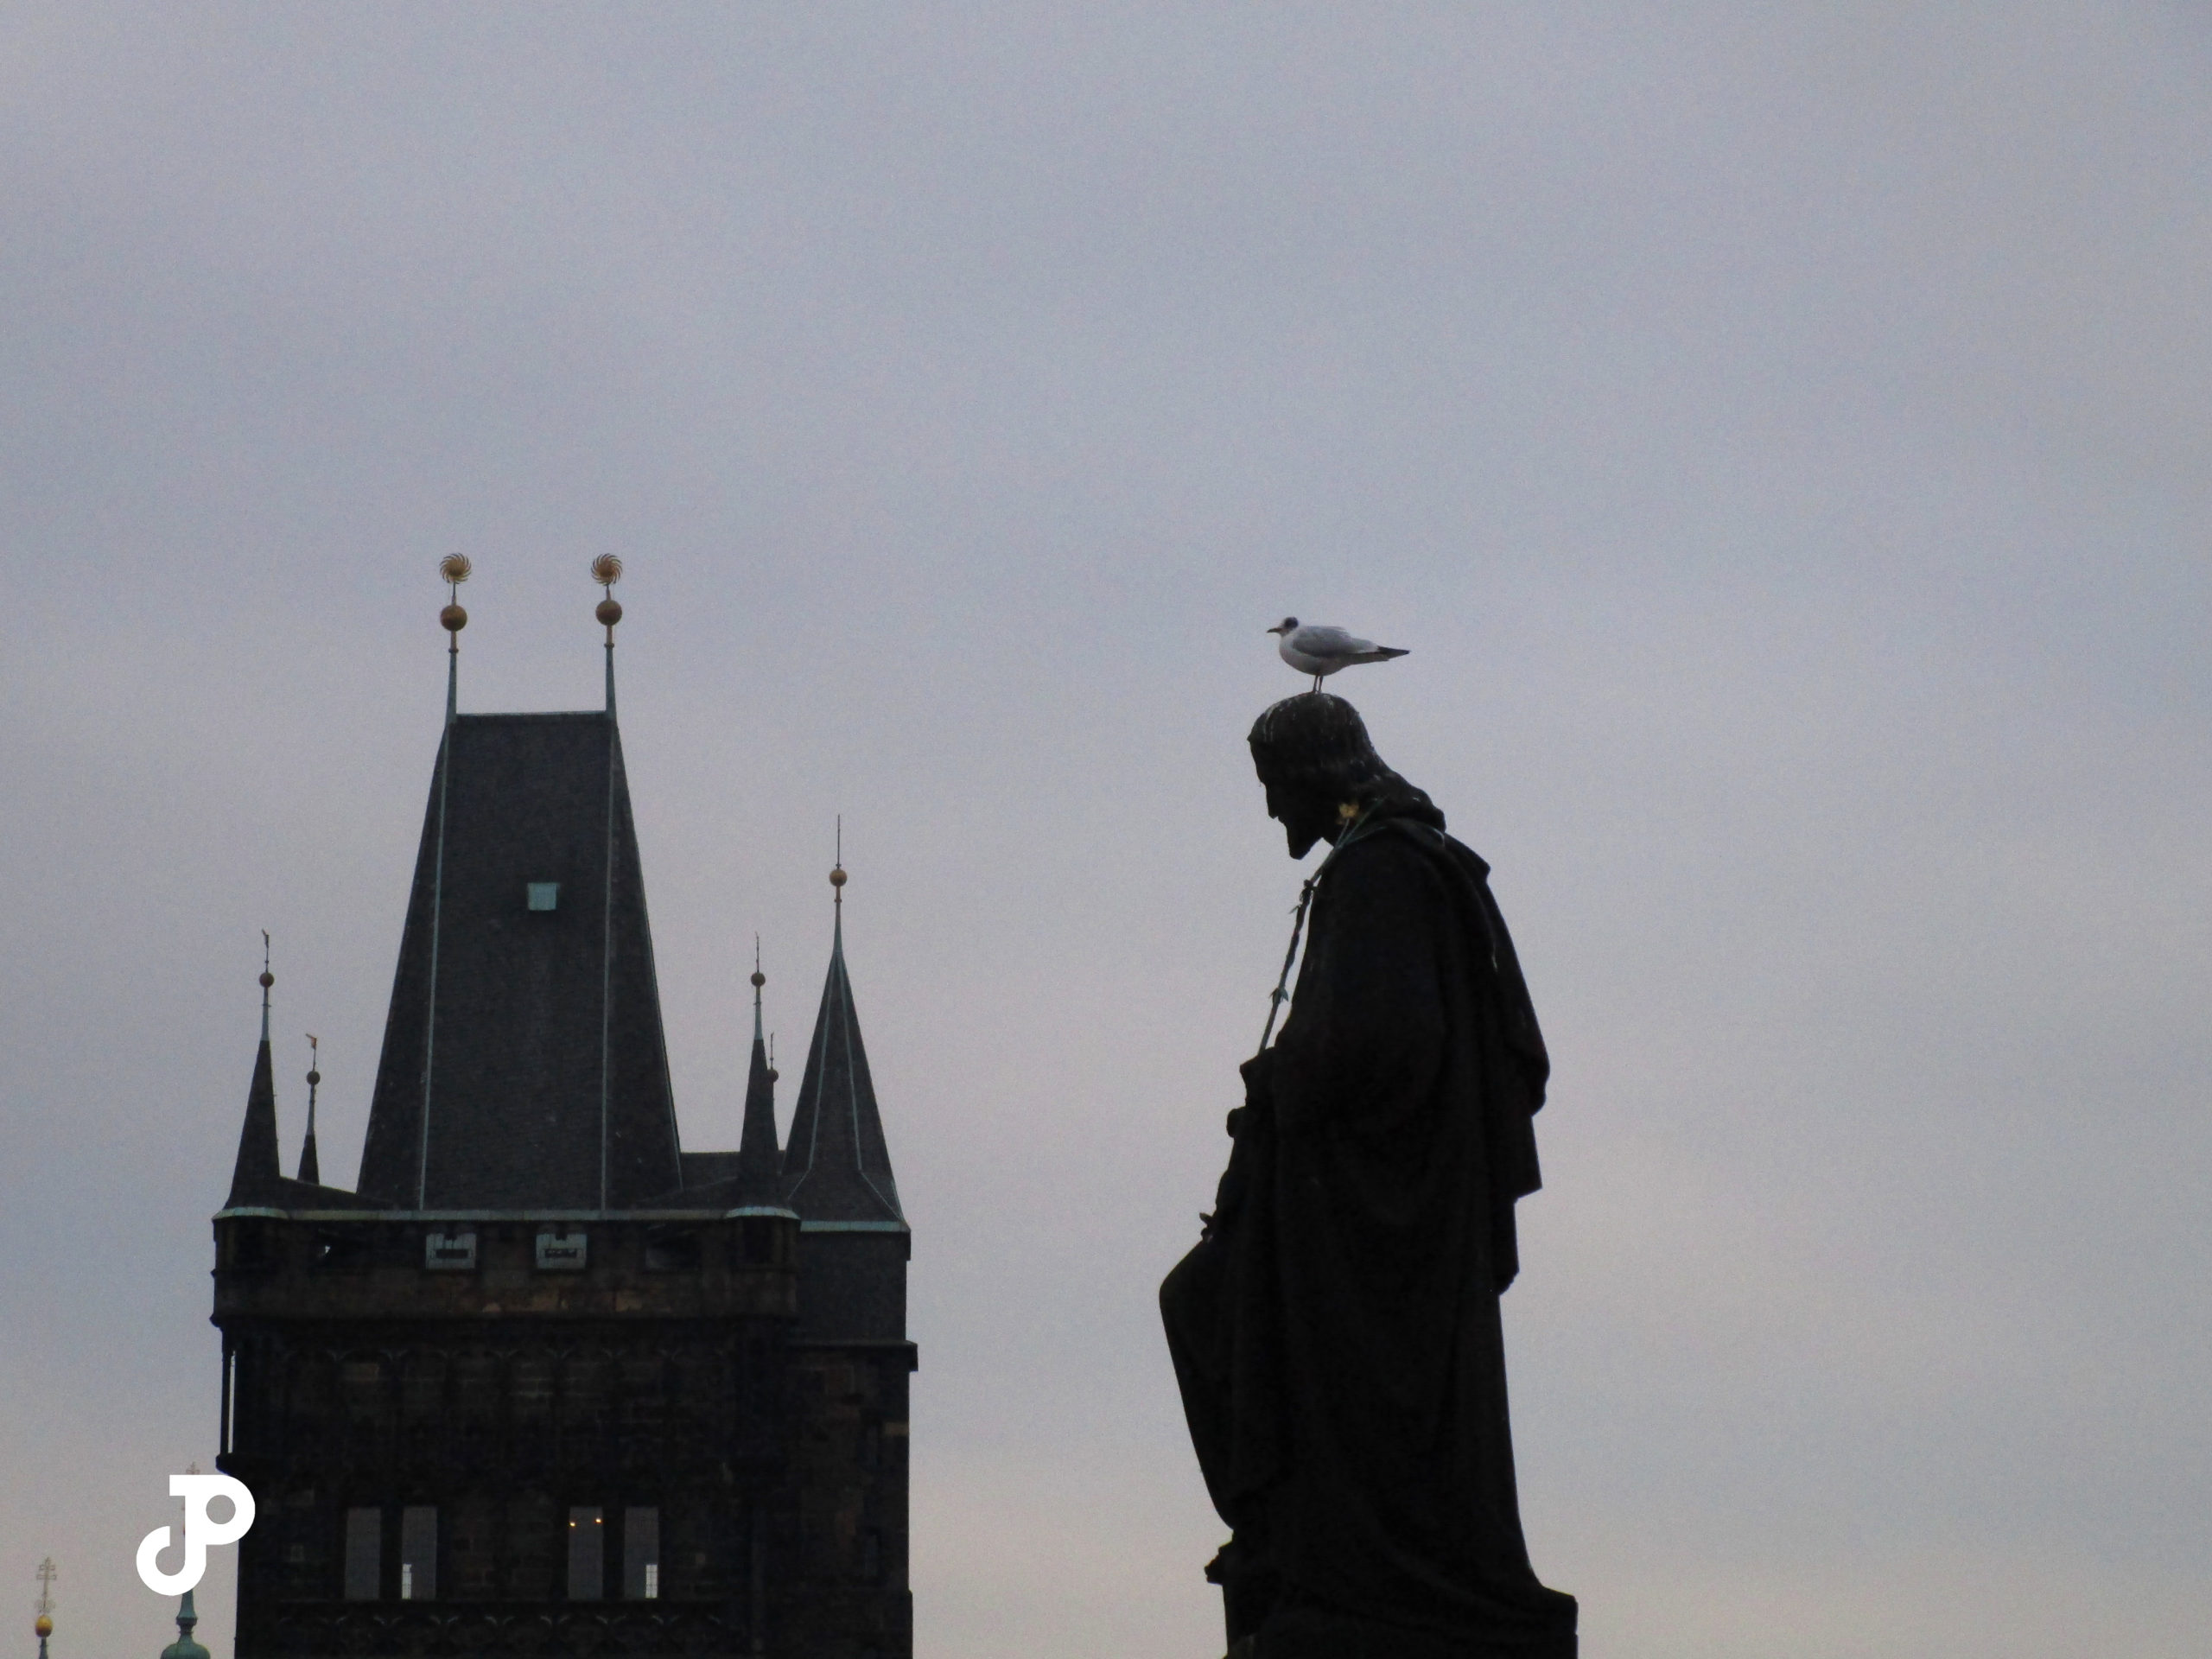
547	1384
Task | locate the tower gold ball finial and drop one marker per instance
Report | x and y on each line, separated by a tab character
267	979
609	612
607	570
758	979
838	876
453	619
44	1627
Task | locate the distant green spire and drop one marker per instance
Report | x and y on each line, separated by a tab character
184	1647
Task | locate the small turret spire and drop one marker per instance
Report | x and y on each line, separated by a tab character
310	1166
837	1166
258	1173
606	570
454	567
758	1162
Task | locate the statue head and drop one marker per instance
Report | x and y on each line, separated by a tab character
1321	771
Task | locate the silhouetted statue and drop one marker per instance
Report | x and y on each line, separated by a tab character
1336	1330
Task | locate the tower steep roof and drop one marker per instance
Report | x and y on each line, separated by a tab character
524	1063
836	1164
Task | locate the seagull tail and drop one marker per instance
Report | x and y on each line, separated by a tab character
1380	654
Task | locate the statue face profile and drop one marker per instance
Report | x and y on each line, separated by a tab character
1305	816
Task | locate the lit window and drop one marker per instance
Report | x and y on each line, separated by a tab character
641	1555
587	1556
545	895
418	1553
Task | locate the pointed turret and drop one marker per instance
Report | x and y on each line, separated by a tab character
257	1177
311	1165
759	1166
837	1168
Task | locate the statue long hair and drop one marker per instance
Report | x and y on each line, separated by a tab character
1317	743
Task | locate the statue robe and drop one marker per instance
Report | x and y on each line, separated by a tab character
1335	1332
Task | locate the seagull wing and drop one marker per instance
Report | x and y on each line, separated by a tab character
1316	640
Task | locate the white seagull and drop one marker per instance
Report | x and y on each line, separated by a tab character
1317	649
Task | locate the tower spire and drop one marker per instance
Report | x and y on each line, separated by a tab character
606	570
454	567
310	1166
256	1178
837	1165
759	1163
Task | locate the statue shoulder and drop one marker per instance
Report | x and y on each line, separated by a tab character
1395	857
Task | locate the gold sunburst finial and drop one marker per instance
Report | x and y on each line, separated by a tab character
454	567
606	570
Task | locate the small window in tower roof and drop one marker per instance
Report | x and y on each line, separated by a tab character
545	895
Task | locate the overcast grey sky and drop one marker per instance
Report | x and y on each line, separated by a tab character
1779	432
